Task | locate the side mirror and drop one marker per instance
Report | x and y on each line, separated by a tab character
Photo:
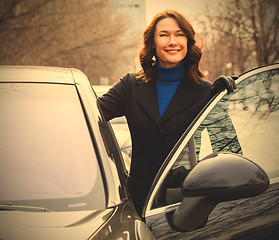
217	178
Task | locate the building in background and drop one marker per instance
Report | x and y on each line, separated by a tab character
133	14
134	10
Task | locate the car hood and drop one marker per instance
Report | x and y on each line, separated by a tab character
51	225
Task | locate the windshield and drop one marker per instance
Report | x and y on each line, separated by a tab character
46	152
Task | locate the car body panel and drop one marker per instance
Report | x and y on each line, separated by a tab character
250	218
51	225
121	222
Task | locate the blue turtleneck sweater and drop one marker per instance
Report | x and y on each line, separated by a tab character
167	81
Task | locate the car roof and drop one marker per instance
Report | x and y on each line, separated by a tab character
39	74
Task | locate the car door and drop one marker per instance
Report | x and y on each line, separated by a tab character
246	123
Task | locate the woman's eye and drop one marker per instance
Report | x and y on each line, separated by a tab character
163	35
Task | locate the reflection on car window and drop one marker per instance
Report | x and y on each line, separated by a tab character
46	149
245	122
217	132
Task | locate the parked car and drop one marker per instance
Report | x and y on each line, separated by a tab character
119	125
63	176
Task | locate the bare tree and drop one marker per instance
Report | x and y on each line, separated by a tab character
264	30
241	34
69	33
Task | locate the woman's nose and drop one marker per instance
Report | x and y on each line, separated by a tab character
172	41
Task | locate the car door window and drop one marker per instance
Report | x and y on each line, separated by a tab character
245	122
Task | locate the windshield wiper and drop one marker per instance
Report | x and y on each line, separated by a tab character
12	207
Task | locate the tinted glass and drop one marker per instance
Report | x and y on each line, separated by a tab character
246	122
46	151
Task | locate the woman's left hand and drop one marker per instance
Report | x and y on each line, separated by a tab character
222	83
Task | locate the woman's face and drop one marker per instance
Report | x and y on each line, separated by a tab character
170	43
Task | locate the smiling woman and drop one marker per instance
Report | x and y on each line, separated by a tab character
160	101
170	31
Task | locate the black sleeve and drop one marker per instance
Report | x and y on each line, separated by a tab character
112	103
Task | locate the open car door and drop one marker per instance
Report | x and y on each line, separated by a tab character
229	152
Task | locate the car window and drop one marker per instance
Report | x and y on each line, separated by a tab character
245	122
47	155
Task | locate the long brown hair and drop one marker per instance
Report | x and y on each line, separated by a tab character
147	53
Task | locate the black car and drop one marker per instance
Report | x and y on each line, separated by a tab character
63	176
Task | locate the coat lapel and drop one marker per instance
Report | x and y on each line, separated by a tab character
184	97
146	96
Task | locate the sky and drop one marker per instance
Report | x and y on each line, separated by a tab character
187	7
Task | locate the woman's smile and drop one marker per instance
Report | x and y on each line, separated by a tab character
172	51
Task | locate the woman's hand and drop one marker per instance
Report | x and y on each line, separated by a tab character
222	83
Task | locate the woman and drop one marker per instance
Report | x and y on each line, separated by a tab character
162	99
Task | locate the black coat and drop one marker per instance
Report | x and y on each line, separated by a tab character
152	137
